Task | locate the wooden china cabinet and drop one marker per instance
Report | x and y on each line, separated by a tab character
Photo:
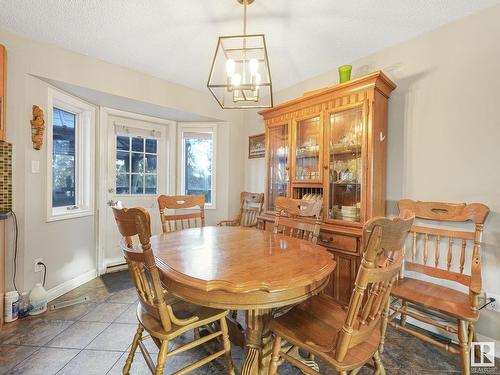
331	144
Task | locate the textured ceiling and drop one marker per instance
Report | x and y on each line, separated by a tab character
176	39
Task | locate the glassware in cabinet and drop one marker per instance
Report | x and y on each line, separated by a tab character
278	176
307	150
345	136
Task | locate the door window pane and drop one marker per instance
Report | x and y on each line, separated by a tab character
138	144
151	146
137	184
133	159
150	184
198	159
123	183
123	143
150	163
122	162
137	162
63	158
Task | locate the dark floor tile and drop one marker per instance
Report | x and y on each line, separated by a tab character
45	361
91	362
36	332
105	312
11	355
78	336
116	336
117	281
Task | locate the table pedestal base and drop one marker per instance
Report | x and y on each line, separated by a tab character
258	342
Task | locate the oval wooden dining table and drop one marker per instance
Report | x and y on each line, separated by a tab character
242	269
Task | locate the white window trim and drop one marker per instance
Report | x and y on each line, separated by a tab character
84	152
198	128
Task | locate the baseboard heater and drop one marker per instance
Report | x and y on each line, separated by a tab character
116	267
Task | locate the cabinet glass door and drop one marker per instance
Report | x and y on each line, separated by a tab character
345	137
307	150
278	163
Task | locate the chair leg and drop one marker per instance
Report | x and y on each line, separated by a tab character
356	371
463	330
133	348
385	320
227	346
473	338
402	320
196	333
275	356
162	357
378	364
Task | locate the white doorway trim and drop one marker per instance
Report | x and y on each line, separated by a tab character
102	170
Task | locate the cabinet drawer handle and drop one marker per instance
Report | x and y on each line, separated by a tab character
327	240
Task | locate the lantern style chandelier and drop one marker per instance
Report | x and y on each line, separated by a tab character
240	76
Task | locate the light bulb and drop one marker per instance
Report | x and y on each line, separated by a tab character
230	66
254	66
236	79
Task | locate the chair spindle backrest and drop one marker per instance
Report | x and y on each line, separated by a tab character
442	253
382	260
288	210
250	207
174	222
141	262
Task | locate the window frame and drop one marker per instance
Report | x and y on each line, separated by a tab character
84	155
159	165
197	128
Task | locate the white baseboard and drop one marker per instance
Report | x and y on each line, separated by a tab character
114	265
69	285
113	262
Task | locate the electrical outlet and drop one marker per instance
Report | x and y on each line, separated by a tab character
495	306
38	267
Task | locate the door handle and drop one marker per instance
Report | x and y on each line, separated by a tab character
112	203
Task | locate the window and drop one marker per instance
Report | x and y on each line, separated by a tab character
198	161
70	154
136	165
63	158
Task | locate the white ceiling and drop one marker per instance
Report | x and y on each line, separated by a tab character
176	39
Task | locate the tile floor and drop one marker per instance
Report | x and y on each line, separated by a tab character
92	338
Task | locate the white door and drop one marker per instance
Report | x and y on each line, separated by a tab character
136	174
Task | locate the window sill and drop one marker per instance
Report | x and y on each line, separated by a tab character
73	214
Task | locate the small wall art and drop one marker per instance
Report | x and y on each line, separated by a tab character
257	146
37	127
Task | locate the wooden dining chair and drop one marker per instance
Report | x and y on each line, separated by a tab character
451	256
162	319
173	222
348	339
288	209
250	207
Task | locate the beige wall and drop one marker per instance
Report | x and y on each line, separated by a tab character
71	255
444	129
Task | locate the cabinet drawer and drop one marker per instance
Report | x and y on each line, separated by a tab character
338	241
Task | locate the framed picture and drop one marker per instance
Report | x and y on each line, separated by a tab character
257	146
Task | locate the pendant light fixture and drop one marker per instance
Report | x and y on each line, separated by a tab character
240	77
